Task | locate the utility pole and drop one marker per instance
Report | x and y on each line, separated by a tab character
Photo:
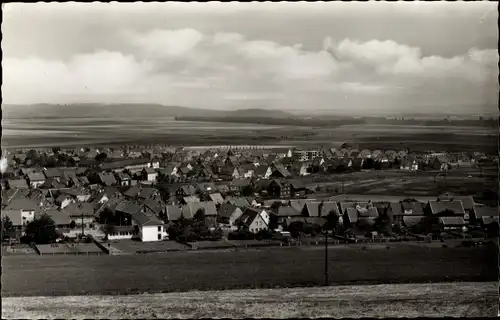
83	229
326	257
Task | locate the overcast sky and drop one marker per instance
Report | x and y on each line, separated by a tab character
361	57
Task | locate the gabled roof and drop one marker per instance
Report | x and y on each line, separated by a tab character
297	205
370	212
452	221
173	212
396	208
191	209
19	203
467	201
18	183
248	216
216	197
345	205
489	220
147	193
240	182
59	217
329	206
132	192
413	208
440	206
238	201
189	189
485	211
149	170
352	215
286	211
226	210
52	173
312	208
156	206
14	216
128	207
145	218
36	176
107	178
297	184
77	209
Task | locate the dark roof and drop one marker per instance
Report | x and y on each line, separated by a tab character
147	193
238	201
329	206
132	191
261	170
77	209
206	187
440	206
485	211
19	203
107	178
297	184
489	220
173	212
240	182
345	205
189	189
52	173
413	208
59	217
154	205
411	221
149	170
145	218
18	183
192	208
312	208
226	210
36	176
467	201
297	205
371	212
128	207
352	215
286	211
248	216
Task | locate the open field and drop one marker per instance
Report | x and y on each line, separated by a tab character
93	131
475	299
262	268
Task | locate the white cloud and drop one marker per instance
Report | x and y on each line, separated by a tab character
208	69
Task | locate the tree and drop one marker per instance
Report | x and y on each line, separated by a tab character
369	164
382	224
101	157
200	214
296	228
72	224
247	191
108	229
332	221
56	150
7	227
42	230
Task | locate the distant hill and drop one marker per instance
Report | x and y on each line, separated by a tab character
134	110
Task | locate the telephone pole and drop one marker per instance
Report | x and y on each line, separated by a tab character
83	229
326	257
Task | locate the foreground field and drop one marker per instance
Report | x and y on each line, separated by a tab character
263	268
403	300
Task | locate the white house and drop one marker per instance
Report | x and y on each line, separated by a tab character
254	220
155	164
35	179
25	207
149	174
148	227
64	200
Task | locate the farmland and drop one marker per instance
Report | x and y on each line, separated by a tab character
263	268
92	131
403	300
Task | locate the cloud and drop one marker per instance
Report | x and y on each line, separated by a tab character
191	68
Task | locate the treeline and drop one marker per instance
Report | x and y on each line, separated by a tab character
276	121
314	122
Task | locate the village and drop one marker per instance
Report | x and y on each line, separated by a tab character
157	198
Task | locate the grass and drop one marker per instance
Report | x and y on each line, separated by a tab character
403	300
262	268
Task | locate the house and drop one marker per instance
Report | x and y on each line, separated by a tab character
263	171
409	163
186	190
238	185
63	200
326	207
448	208
191	210
15	218
81	213
154	206
279	189
17	184
246	170
467	201
61	218
297	188
25	207
106	179
206	187
452	223
148	193
297	205
411	221
412	208
311	209
222	188
216	198
78	195
132	192
279	171
169	170
228	214
238	201
253	220
147	226
173	213
123	179
287	212
149	174
36	179
480	212
52	173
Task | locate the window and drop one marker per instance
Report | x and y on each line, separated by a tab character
159	236
159	228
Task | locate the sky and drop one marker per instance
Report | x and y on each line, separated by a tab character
349	57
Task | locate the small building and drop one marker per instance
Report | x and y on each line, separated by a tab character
452	223
148	227
149	174
228	214
17	184
36	179
279	189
